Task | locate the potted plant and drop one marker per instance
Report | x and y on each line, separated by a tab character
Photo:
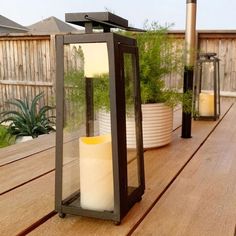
25	120
157	59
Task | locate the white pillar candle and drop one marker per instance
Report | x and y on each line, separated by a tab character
206	104
96	175
95	59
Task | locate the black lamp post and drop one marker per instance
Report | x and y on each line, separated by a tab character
207	88
97	175
190	35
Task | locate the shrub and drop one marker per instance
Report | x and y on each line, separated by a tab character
157	59
26	120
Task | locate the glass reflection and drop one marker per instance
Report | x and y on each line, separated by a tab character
132	161
87	158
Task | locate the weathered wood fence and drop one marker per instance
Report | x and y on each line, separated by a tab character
221	42
27	67
27	63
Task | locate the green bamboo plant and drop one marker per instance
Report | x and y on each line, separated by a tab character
26	119
158	58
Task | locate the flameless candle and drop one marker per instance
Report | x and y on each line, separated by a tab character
95	59
96	175
206	104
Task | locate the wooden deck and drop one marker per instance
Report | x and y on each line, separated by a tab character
190	187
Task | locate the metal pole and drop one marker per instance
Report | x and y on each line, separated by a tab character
190	35
89	93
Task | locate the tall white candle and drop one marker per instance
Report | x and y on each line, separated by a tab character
206	104
96	175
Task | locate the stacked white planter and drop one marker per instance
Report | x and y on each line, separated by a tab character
104	123
22	139
157	125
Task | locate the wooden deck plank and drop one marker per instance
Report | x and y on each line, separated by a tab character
161	167
23	206
202	199
20	151
41	159
27	168
20	172
29	148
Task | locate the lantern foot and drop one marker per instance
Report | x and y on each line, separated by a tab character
62	215
117	222
139	199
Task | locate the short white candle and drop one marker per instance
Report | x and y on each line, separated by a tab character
206	104
96	175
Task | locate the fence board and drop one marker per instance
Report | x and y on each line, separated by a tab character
26	68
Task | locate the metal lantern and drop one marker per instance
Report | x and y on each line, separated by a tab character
207	88
97	173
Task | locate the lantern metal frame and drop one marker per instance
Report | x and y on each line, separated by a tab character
117	45
207	58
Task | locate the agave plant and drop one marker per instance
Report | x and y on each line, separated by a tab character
25	120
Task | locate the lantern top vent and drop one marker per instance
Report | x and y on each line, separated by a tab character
208	56
99	20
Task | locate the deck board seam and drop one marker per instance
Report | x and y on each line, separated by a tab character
29	155
176	128
28	181
37	223
175	177
32	154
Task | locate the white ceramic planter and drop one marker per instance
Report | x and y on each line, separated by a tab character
157	125
22	139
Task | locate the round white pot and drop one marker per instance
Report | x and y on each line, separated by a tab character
157	125
22	139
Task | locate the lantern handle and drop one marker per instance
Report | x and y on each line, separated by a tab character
87	17
208	55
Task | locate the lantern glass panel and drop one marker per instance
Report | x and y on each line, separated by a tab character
205	88
74	118
131	137
87	151
208	76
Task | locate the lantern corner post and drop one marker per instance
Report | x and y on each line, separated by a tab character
59	121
